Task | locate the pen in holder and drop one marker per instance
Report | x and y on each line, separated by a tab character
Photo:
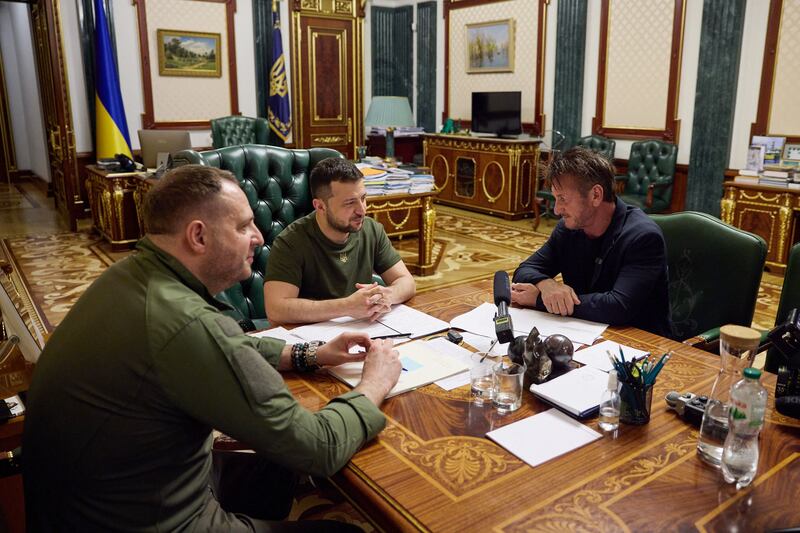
635	403
637	378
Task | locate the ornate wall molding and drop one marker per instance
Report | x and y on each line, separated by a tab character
616	48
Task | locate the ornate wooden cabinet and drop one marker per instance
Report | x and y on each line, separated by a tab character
770	212
494	176
111	197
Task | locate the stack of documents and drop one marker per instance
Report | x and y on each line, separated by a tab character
421	183
542	437
577	392
421	365
401	319
481	321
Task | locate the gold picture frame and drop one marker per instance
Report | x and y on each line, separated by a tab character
490	46
189	53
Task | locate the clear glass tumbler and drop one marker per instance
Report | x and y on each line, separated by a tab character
508	379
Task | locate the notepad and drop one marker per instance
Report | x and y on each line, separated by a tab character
544	436
577	392
423	365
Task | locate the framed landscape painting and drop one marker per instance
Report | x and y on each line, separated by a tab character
490	46
188	53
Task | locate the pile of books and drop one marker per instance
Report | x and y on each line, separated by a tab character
380	180
784	176
400	131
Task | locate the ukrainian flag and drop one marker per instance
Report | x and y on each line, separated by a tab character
112	129
278	114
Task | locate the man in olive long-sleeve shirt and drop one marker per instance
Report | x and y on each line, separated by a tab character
129	387
611	256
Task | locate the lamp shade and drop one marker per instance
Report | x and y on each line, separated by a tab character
389	112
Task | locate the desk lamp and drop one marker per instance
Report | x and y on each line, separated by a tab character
389	112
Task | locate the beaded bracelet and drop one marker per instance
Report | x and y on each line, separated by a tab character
304	356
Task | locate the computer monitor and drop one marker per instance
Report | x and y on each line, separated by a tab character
154	142
497	112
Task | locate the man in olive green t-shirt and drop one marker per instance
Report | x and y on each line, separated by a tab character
321	266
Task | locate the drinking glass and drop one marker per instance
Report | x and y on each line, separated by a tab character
481	377
508	379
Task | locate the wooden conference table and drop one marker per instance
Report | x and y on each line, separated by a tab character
432	469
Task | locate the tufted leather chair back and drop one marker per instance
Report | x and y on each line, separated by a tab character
276	183
233	130
714	272
790	299
597	143
651	162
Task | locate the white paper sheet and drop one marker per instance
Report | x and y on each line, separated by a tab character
326	331
401	319
278	333
578	391
481	321
544	436
422	364
597	357
456	352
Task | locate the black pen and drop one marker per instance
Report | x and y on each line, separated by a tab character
393	336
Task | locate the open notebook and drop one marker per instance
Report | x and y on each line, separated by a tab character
421	363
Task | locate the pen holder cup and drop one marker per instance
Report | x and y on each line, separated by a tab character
635	403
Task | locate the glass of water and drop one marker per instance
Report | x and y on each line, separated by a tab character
508	379
481	377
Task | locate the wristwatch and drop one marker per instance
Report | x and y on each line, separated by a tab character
311	355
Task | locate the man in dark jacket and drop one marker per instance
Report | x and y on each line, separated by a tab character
611	256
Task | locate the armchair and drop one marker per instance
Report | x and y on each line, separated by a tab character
597	143
790	298
234	130
601	145
648	182
714	275
275	181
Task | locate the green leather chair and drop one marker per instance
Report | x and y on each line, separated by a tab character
234	130
275	181
790	299
597	143
651	170
714	275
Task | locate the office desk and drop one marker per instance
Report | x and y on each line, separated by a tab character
432	469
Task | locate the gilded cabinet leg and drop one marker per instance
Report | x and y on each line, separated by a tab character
727	207
426	238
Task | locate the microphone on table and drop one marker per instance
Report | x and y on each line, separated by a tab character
503	327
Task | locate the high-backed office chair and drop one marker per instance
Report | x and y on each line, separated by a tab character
235	130
714	275
651	171
275	181
790	298
597	143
